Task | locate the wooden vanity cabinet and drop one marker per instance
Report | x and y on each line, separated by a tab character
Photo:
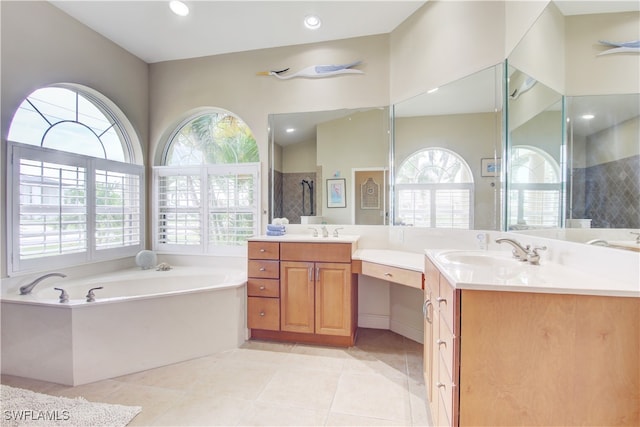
317	294
263	286
520	358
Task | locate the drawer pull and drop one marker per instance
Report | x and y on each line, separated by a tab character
440	342
263	269
262	313
441	385
262	288
388	274
440	299
262	250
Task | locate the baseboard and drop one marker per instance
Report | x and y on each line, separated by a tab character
408	331
373	321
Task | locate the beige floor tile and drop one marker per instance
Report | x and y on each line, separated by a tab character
234	378
372	395
94	392
33	385
418	403
386	364
153	400
270	414
316	362
336	419
197	410
179	376
310	389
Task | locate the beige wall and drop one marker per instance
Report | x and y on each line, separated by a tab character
541	52
590	74
444	41
230	82
613	144
299	157
360	140
42	46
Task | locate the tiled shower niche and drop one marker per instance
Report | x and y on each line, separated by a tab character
608	193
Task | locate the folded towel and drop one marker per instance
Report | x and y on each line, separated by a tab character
273	227
275	233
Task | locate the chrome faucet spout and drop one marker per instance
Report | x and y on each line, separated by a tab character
520	252
26	289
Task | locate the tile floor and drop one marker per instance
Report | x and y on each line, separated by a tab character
377	382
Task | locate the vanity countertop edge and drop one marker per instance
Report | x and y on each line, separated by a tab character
545	278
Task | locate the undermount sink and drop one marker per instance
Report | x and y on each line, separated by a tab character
480	258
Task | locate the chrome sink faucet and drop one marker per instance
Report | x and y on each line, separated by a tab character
519	252
315	231
524	253
26	289
325	232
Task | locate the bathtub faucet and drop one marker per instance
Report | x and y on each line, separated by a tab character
26	289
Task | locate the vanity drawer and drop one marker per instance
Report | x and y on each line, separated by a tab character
264	269
264	250
316	252
269	288
393	274
447	390
446	303
263	313
446	344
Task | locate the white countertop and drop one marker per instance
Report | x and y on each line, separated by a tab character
307	238
517	276
401	259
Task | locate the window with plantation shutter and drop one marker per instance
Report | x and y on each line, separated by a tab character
73	196
206	193
434	188
535	192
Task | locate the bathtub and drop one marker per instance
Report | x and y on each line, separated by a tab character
140	319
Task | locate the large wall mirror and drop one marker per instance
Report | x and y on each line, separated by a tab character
585	184
447	145
330	166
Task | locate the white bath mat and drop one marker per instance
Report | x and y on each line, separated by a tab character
27	408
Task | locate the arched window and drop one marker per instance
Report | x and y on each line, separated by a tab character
74	194
535	192
434	188
207	188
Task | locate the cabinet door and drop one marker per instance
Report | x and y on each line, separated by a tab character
431	286
297	296
333	299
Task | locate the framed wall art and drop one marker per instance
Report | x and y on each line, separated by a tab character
490	167
336	193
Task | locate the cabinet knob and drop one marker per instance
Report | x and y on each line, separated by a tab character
262	269
388	274
262	250
440	342
262	288
441	385
440	299
262	314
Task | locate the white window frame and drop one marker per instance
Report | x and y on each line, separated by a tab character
17	151
203	172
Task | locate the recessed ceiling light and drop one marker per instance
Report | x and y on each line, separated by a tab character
312	22
588	116
289	130
179	8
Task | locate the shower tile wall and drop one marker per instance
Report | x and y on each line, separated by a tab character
608	193
277	194
292	195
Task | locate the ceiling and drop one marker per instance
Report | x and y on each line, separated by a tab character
150	31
